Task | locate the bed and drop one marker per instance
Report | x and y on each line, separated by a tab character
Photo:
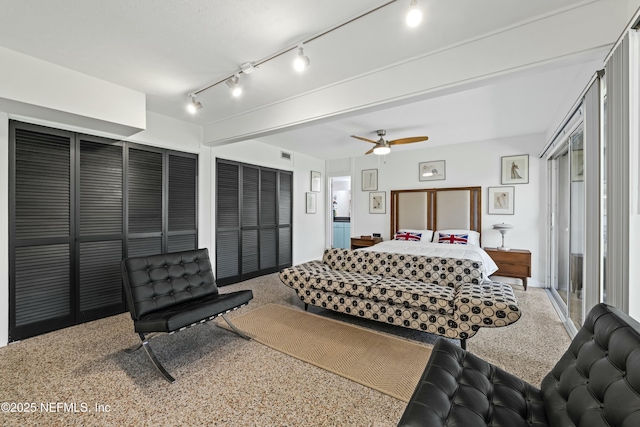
419	282
474	253
443	222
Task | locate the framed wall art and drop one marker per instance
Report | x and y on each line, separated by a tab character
316	181
515	169
501	200
432	171
378	202
311	203
370	180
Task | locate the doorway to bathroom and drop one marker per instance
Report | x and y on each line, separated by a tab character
341	212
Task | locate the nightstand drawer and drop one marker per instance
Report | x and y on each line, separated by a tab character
513	269
511	257
358	242
514	263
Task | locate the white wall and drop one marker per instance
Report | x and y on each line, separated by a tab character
308	229
472	164
40	89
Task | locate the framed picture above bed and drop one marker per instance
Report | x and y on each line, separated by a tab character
515	169
501	200
378	202
432	171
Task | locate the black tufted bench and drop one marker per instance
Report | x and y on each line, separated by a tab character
174	291
596	383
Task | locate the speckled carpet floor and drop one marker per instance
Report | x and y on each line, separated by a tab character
81	376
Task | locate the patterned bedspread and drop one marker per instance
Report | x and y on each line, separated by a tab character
469	252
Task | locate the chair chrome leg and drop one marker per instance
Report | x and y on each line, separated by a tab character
132	349
154	359
235	329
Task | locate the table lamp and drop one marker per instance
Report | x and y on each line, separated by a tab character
503	228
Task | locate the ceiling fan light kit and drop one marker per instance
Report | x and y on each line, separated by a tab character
301	62
381	149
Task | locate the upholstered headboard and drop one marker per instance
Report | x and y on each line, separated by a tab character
436	209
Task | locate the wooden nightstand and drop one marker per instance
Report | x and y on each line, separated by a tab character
359	242
513	263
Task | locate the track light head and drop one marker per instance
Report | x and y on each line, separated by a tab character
234	85
414	17
302	61
194	105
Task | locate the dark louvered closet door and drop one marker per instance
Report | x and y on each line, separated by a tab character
100	228
182	203
268	221
71	224
145	202
285	207
250	211
227	222
253	228
41	290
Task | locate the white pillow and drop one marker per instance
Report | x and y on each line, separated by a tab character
473	239
427	235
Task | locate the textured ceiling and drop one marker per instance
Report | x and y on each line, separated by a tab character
168	49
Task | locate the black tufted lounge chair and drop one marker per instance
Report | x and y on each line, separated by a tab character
596	383
172	292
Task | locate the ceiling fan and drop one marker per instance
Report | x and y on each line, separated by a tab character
383	146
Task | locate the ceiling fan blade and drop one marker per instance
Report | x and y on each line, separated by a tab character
364	139
370	151
408	140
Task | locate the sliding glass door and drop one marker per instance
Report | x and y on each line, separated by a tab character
568	227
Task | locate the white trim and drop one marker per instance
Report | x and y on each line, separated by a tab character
569	118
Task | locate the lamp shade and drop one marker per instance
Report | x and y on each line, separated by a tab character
502	226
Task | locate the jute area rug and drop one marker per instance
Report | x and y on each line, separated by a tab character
390	365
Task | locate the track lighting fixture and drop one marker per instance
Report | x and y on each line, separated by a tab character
234	86
414	17
302	61
194	105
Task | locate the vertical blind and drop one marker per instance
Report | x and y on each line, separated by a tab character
617	176
592	146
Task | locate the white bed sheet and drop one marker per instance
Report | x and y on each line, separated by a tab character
471	252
